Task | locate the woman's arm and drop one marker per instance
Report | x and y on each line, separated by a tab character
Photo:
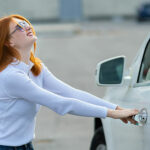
53	84
18	85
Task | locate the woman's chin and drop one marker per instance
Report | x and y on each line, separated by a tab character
34	37
30	42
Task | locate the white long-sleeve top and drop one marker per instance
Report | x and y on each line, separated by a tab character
22	94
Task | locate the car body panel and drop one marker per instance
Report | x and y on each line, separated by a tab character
120	136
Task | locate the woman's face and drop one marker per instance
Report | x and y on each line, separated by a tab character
21	35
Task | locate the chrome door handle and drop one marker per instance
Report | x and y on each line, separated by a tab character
141	117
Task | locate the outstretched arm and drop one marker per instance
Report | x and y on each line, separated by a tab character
26	89
18	85
53	84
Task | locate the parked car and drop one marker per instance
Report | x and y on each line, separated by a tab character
143	12
129	88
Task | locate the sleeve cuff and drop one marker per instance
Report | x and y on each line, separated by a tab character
105	113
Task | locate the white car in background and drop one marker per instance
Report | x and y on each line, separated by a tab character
129	88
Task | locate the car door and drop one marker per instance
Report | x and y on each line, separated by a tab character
143	87
120	136
136	95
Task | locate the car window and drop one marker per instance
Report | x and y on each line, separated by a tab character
144	74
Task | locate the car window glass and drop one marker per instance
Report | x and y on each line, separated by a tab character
144	74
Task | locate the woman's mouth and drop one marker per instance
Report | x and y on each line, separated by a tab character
30	34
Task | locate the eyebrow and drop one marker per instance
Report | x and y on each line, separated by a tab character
16	26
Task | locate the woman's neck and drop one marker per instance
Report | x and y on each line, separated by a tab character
25	57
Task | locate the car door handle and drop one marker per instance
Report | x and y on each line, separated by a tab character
141	117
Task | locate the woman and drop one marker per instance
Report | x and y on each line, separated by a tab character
26	83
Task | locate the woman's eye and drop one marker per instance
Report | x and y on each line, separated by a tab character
19	28
23	24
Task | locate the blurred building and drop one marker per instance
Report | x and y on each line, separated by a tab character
70	10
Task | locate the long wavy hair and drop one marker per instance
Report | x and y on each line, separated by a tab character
8	53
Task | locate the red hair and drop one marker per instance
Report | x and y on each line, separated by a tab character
8	53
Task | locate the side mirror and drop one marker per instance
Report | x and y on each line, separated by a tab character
110	72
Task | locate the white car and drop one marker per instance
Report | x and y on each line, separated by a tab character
129	88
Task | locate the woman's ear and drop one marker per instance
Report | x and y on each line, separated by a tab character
9	44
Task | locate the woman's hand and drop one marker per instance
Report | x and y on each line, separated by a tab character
125	120
124	114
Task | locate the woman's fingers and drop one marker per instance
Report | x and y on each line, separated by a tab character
124	120
135	112
132	120
125	113
120	114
